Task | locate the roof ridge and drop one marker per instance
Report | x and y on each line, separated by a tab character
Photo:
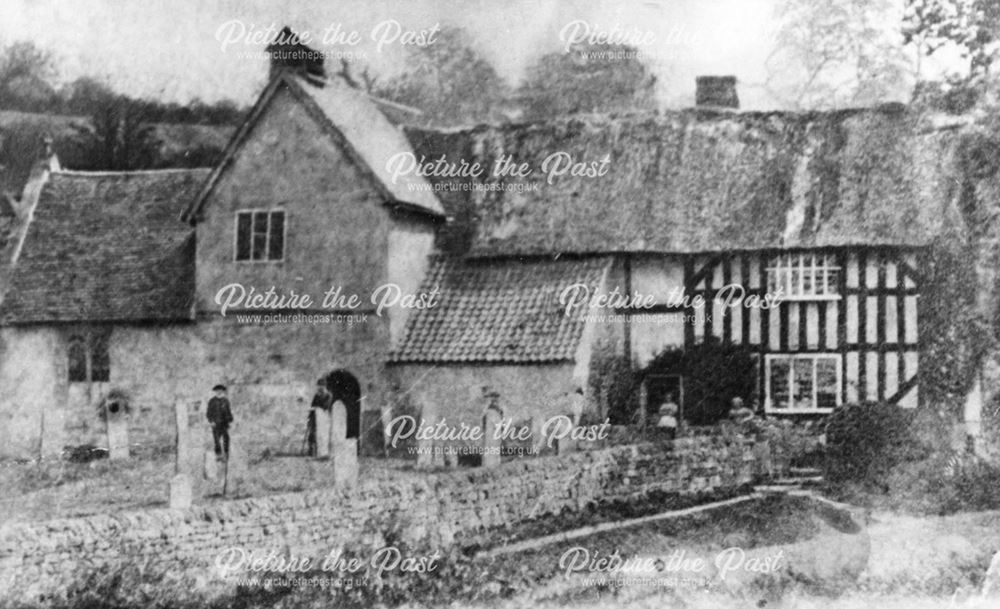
128	172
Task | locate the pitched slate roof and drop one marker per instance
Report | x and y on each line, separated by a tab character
498	311
355	120
688	181
107	247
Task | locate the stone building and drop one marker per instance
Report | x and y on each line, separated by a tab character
124	280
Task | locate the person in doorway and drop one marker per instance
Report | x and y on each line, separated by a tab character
666	422
220	416
323	400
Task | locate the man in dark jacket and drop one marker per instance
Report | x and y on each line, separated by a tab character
219	417
322	400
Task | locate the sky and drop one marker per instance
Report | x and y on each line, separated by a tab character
181	49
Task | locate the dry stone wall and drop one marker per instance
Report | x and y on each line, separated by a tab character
430	510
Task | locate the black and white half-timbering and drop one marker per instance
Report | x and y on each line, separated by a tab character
661	303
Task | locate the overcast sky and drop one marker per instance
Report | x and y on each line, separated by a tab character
171	49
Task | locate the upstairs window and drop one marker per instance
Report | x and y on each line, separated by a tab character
260	236
804	276
88	357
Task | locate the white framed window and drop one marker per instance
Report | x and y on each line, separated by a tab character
802	383
260	236
804	276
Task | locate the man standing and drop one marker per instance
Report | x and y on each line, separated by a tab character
323	400
219	417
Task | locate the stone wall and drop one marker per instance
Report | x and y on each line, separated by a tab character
430	510
271	371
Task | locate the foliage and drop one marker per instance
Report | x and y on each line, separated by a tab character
714	373
970	26
27	83
120	137
612	379
26	73
792	443
585	79
866	441
449	81
835	54
954	336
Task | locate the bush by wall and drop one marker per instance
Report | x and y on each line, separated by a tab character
866	441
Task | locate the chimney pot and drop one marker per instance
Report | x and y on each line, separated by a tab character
716	92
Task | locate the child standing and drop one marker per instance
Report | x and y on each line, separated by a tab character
220	415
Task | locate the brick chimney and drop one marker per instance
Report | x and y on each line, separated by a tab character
716	92
287	52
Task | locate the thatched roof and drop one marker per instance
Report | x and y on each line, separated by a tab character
698	181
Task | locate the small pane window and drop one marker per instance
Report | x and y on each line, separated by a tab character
243	222
803	276
100	360
803	382
260	236
276	244
88	359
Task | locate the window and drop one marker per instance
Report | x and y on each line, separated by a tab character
77	359
803	383
88	357
804	276
260	236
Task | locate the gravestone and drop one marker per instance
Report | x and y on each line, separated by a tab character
323	423
345	451
117	423
180	484
491	441
210	469
345	463
235	467
338	422
425	453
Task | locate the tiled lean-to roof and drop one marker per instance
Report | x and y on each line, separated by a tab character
502	310
107	246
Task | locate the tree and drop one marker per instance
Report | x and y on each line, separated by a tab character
86	95
971	26
835	54
588	78
449	81
26	72
119	137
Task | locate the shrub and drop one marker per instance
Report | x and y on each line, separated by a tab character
866	441
714	373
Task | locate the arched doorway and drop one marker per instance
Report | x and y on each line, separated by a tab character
344	387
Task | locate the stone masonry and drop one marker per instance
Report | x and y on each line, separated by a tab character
433	510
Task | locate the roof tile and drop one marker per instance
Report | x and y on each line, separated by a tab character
504	310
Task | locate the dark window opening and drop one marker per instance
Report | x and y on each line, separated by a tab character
77	360
88	357
260	235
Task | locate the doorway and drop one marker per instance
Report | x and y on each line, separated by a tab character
345	387
659	389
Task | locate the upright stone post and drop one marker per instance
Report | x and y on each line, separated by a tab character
180	484
491	439
344	450
117	422
323	423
